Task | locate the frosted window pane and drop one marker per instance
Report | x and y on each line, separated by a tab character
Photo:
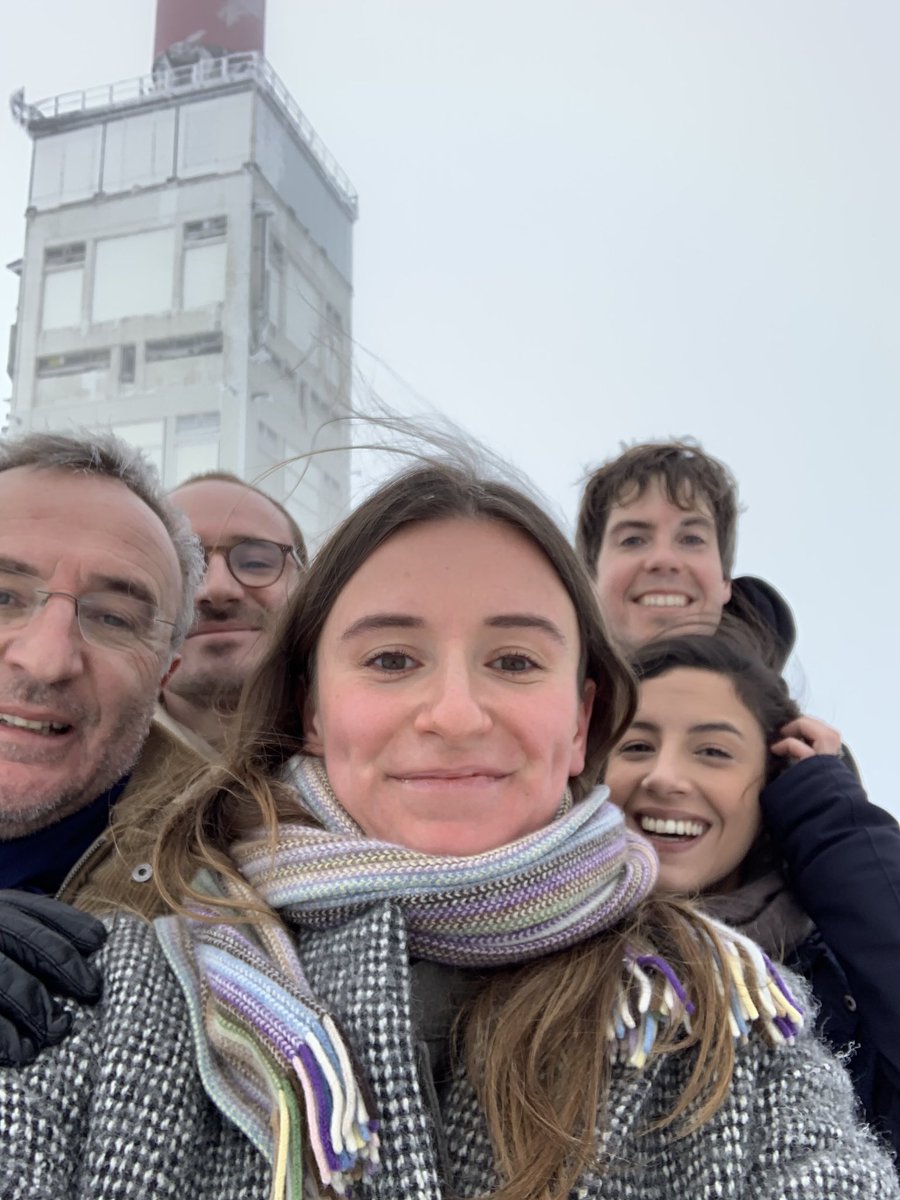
62	299
302	499
198	424
148	436
192	458
204	275
275	287
303	507
214	135
139	151
269	441
286	165
133	275
333	364
66	167
301	308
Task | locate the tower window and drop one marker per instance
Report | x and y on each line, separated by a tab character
183	347
75	363
68	255
203	231
127	362
62	301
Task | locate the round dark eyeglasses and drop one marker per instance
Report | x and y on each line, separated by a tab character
255	562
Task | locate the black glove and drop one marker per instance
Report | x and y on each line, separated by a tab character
43	944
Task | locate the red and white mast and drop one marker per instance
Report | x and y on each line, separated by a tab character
190	29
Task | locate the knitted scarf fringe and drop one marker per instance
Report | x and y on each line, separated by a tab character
652	996
275	1061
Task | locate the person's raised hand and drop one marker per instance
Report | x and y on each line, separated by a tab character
806	737
44	947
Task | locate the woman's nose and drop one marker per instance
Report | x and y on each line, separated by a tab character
665	777
454	706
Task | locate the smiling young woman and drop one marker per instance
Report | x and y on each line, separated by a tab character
752	809
688	774
416	953
447	715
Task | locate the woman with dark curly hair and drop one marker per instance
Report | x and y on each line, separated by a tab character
752	810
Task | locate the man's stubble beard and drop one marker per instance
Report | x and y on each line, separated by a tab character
218	680
20	815
209	687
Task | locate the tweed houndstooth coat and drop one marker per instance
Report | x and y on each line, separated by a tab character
117	1111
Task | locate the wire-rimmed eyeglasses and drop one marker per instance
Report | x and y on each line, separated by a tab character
255	562
105	618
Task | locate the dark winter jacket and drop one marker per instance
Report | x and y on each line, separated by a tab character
99	858
841	856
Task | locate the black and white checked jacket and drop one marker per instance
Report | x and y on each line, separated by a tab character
117	1111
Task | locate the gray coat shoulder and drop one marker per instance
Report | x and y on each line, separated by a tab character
117	1109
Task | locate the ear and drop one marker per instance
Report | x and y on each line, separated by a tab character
579	742
170	671
726	590
313	742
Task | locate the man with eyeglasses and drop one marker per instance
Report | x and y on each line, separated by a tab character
254	553
97	578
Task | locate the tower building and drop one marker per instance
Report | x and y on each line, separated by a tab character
187	271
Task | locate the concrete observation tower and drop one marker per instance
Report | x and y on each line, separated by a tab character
187	272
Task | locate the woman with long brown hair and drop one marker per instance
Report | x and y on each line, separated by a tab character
415	952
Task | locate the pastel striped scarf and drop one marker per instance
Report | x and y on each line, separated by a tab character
275	1061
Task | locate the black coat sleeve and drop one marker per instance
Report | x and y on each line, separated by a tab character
842	855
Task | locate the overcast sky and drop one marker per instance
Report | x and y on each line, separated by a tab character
584	222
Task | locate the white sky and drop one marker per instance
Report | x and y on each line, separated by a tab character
589	221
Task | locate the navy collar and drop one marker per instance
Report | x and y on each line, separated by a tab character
40	861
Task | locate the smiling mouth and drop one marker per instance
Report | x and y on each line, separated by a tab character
672	830
45	728
664	600
436	778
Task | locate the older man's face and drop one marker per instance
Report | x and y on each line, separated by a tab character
74	712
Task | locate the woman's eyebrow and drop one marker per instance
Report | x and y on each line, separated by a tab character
377	621
717	727
526	621
704	727
374	622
